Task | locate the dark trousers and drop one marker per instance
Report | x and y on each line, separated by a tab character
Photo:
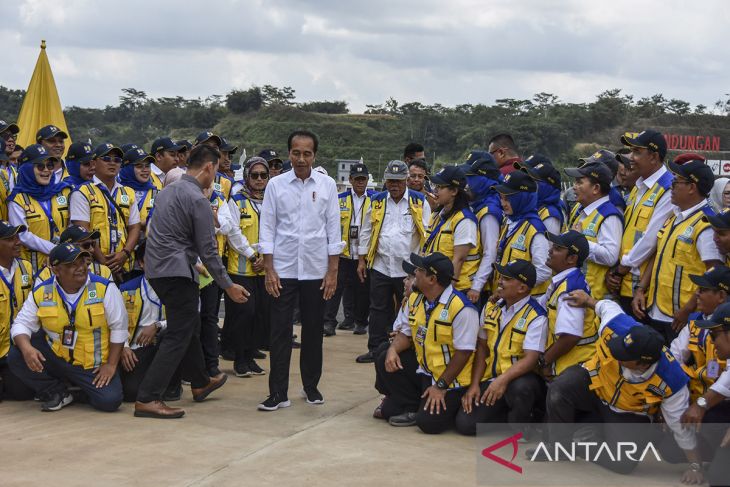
520	400
402	388
181	344
209	306
311	306
386	295
569	397
355	296
11	387
132	380
663	327
56	371
434	424
245	321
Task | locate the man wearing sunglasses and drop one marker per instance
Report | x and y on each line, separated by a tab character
86	240
274	161
54	141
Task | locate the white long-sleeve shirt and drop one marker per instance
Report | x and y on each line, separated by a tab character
151	311
16	216
489	233
607	248
27	322
236	239
300	225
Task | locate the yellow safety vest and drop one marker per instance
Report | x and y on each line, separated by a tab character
145	206
222	185
586	346
590	226
441	239
676	259
636	219
92	344
216	201
544	214
39	224
156	181
433	335
4	192
249	214
505	344
346	216
11	300
134	303
703	350
517	246
609	384
377	215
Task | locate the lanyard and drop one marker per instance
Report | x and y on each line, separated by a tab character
357	210
149	298
11	287
434	232
46	206
71	312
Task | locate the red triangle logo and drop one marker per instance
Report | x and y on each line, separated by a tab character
487	452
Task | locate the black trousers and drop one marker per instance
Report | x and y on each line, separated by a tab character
434	424
663	327
523	396
311	305
181	344
386	295
11	387
402	388
209	307
244	321
355	296
132	380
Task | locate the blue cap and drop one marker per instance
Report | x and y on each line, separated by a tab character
208	135
184	144
540	168
35	154
640	343
128	146
81	152
516	182
162	144
136	155
648	139
77	233
720	318
270	155
481	163
358	169
66	253
50	131
519	269
7	230
720	220
107	148
12	127
227	146
449	176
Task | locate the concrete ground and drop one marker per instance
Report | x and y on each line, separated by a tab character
226	441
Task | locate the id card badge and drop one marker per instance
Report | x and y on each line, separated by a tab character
68	339
113	236
354	232
421	335
713	369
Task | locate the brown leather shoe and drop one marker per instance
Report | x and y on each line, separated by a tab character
157	409
200	393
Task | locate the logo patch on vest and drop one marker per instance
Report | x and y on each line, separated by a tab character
655	390
650	201
25	279
521	324
591	230
125	199
444	314
520	243
61	200
686	236
217	186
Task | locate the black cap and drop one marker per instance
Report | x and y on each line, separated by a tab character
66	253
596	170
107	148
449	176
481	163
164	143
516	182
7	230
623	158
50	131
184	144
720	318
13	127
603	156
540	168
697	172
270	155
227	146
519	269
136	155
34	154
640	343
720	220
359	169
208	135
129	146
81	152
648	139
77	233
716	278
574	241
435	263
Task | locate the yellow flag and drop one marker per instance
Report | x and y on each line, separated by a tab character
41	105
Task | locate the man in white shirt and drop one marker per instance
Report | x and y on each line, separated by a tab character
79	349
400	218
300	241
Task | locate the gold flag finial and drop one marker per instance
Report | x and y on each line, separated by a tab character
43	44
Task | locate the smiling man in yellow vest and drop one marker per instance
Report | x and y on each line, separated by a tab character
85	323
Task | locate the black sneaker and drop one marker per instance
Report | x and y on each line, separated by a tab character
274	402
258	355
366	358
228	355
405	419
254	368
360	330
57	401
329	330
346	326
313	396
242	370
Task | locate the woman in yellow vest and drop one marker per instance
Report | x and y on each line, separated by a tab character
453	228
39	204
523	234
136	174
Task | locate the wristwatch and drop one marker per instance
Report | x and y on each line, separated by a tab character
541	361
695	467
702	402
441	384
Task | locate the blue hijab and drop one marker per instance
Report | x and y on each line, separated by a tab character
74	178
127	178
548	196
524	207
484	195
27	184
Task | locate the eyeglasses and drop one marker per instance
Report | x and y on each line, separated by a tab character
417	176
142	165
276	165
115	160
258	175
7	135
676	182
87	245
44	165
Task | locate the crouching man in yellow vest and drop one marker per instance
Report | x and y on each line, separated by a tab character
441	325
630	379
85	323
504	386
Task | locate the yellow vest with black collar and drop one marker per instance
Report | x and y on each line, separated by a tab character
676	259
703	350
589	227
377	215
434	337
346	216
249	218
10	304
505	345
518	246
39	225
92	343
443	242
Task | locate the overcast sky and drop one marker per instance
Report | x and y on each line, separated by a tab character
448	52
